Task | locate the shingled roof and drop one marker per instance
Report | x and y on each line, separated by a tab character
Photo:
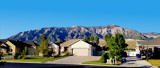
69	42
155	41
19	43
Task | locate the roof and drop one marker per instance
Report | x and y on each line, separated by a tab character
30	43
72	41
3	41
18	43
69	42
155	41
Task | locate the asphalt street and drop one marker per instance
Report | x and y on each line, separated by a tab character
44	65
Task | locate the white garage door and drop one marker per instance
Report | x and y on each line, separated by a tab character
80	52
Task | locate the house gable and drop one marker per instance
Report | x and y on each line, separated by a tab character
11	46
80	44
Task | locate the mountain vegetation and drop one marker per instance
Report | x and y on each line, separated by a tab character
77	32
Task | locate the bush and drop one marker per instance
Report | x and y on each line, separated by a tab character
66	53
57	55
16	56
103	58
19	57
5	54
25	57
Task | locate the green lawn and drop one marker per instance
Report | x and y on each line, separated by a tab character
37	59
96	62
155	62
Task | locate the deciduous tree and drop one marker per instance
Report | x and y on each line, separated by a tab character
116	45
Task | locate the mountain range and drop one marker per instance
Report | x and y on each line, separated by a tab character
79	32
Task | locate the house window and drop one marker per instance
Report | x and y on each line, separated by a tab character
11	50
65	49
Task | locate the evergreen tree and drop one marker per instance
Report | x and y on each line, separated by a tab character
92	39
96	40
87	39
43	48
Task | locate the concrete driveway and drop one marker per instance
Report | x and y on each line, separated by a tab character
135	62
74	59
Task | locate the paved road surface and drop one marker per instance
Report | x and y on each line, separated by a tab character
74	60
132	62
135	62
41	65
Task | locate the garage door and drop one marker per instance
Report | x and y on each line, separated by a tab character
80	52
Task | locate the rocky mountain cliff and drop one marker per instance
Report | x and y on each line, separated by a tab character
77	32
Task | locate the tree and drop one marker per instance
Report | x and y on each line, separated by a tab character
25	51
96	40
107	37
103	58
87	39
92	39
43	47
116	45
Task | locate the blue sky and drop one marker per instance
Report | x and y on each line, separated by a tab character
22	15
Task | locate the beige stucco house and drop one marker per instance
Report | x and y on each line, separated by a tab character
55	47
77	47
14	46
153	47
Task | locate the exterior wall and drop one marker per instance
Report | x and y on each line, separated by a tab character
81	44
92	51
18	50
31	50
3	50
55	48
62	49
70	51
11	46
152	47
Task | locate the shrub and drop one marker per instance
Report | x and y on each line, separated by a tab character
19	57
57	55
103	58
25	57
16	56
66	53
5	54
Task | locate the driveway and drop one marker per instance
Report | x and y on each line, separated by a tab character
135	62
74	59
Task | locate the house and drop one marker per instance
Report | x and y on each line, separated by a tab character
14	46
55	47
78	47
31	47
151	47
